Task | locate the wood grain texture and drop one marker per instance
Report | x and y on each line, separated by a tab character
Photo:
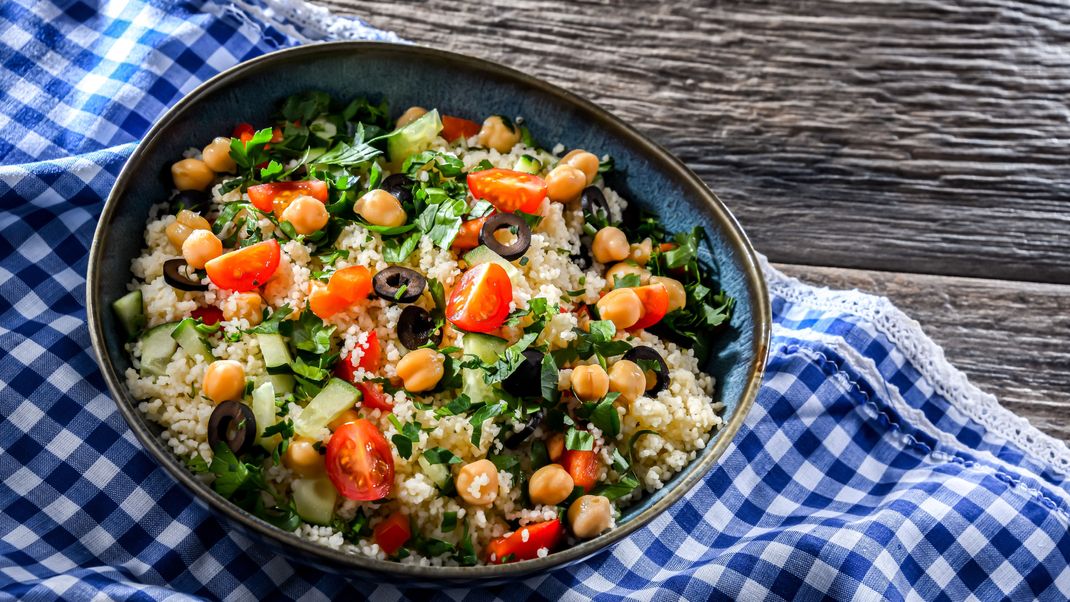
1008	337
920	136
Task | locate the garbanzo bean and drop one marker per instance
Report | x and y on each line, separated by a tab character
555	447
244	305
627	378
622	307
610	244
410	115
192	174
302	458
590	515
344	418
306	214
200	247
421	369
565	183
584	161
550	485
496	133
625	268
640	251
185	223
224	380
677	293
381	208
589	382
217	156
477	483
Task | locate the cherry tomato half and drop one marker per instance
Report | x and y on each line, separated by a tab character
209	315
468	236
655	298
480	300
508	190
582	466
392	533
277	196
246	268
456	127
360	462
352	283
514	548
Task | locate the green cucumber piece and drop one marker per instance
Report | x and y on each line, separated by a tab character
335	398
438	473
283	383
528	164
414	137
274	350
130	309
323	128
264	412
487	348
157	349
191	341
314	499
483	254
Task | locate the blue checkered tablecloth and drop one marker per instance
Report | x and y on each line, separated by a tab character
868	469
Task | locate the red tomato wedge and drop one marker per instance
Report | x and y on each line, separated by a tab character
468	236
372	357
373	397
243	132
372	394
209	315
276	196
246	268
392	533
582	466
508	190
325	303
360	462
352	283
456	127
480	301
655	298
547	535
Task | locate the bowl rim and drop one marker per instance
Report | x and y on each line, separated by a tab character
733	234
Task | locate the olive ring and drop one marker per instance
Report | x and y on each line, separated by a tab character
499	221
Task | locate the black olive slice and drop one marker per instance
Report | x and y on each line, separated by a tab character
233	424
398	185
593	201
398	284
525	380
514	250
194	200
514	440
174	273
416	327
648	354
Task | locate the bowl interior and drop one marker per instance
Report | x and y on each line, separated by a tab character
460	86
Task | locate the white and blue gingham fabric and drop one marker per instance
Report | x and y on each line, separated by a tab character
868	469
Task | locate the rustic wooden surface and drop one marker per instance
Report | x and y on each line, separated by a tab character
916	149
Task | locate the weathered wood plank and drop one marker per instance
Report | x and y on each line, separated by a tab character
1008	337
919	136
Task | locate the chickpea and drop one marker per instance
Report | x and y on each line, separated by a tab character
622	307
302	458
677	294
498	134
224	380
410	115
381	208
244	305
477	482
555	447
590	515
200	247
627	378
610	244
590	382
640	251
421	369
584	161
344	418
565	183
625	268
306	214
192	174
184	225
550	485
217	156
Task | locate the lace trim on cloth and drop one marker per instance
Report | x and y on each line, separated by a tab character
299	20
928	359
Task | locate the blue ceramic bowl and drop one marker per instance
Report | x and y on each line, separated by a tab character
457	85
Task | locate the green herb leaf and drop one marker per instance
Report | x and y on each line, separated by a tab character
398	249
449	522
578	440
627	484
604	416
483	414
548	377
626	281
271	324
230	473
439	455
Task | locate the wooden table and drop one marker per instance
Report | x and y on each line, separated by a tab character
917	149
